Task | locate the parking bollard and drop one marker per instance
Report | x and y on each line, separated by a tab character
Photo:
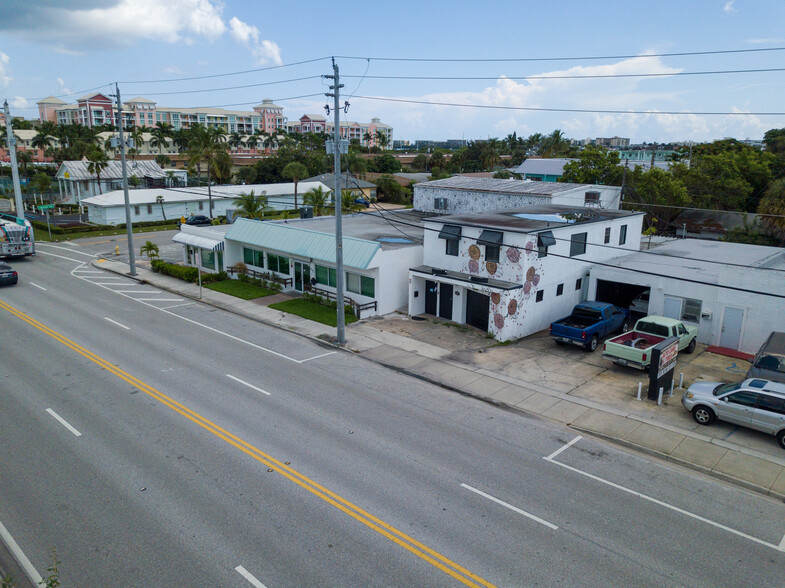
640	386
671	392
659	398
681	380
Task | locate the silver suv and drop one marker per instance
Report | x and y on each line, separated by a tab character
754	403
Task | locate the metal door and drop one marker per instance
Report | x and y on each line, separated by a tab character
302	275
478	307
672	308
445	301
431	288
731	327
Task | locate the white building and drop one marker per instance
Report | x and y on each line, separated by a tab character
461	194
109	208
76	183
512	272
377	254
734	293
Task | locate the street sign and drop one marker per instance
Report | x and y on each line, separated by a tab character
45	206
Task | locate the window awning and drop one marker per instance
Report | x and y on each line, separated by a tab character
545	239
490	238
450	232
198	241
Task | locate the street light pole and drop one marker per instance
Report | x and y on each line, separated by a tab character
11	140
128	224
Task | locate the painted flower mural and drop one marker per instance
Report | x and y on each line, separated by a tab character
474	252
498	320
474	266
491	267
495	297
513	254
512	307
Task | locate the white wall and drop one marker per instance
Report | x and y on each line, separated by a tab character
392	291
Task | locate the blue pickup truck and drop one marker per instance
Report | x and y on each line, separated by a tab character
589	322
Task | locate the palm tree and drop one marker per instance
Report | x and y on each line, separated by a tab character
252	141
368	137
490	157
138	138
159	139
160	200
235	140
207	144
295	171
24	158
252	206
150	249
317	198
381	138
97	162
42	142
555	145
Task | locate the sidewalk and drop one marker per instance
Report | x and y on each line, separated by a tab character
582	395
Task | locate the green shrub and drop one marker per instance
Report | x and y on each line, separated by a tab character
189	274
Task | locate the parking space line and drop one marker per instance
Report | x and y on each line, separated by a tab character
248	576
511	507
564	448
136	291
156	299
37	286
63	422
116	323
780	547
317	356
247	384
177	305
20	556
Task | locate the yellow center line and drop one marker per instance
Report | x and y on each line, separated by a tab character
393	534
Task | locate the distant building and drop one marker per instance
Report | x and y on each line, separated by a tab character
76	182
542	169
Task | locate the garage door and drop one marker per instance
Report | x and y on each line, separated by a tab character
477	308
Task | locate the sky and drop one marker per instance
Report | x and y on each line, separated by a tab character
516	63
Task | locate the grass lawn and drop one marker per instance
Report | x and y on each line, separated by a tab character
240	289
43	234
313	311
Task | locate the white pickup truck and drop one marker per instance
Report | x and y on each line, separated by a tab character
633	348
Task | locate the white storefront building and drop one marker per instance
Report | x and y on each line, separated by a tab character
512	272
734	293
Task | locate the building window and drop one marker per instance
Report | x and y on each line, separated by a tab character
591	199
492	241
451	247
623	235
253	257
540	294
278	263
201	206
208	258
149	209
326	276
578	283
545	239
136	210
559	289
691	310
358	284
607	235
577	244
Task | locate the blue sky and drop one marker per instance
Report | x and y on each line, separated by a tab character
62	47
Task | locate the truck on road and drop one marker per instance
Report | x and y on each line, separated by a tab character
634	347
588	323
16	237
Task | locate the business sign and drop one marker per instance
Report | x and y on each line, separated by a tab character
45	206
662	366
668	358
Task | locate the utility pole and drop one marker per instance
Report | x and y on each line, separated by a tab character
20	210
128	225
339	277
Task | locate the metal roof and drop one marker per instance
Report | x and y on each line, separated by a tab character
502	186
77	170
299	242
347	182
548	167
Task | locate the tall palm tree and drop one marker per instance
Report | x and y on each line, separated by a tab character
97	162
251	206
159	139
42	142
381	138
317	198
368	137
555	145
235	140
252	141
207	144
160	200
138	136
295	171
24	159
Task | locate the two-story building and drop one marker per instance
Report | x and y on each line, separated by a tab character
512	272
461	194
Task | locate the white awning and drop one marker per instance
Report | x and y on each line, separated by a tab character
200	242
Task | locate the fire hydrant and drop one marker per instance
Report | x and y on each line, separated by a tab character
117	250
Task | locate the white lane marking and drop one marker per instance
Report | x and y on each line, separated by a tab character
248	576
780	547
177	305
106	318
563	447
193	322
317	356
511	507
247	384
20	556
63	422
37	286
80	261
38	245
136	291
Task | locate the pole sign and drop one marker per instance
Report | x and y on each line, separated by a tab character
45	206
662	366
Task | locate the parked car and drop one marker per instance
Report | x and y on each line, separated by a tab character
640	303
769	362
197	220
8	274
634	347
366	203
753	403
589	322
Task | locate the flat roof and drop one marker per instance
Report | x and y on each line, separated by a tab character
535	218
507	186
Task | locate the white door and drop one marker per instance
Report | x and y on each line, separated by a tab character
731	327
672	308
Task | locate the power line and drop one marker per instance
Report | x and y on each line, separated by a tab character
576	77
223	75
233	87
575	58
580	110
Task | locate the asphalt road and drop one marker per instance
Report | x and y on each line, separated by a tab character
155	441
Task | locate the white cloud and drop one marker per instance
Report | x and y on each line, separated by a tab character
63	88
729	8
264	51
5	78
20	102
173	69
